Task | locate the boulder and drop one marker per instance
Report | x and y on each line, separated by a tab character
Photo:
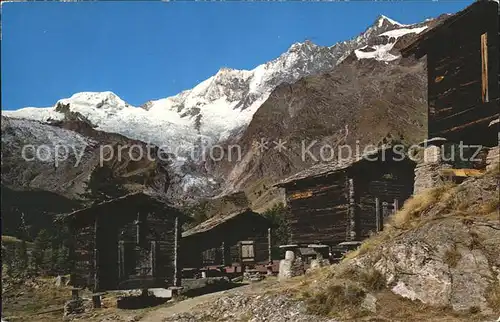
370	303
450	262
77	306
290	268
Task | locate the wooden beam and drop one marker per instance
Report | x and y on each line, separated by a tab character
223	253
377	214
396	205
484	64
456	128
352	211
152	258
177	238
96	254
269	244
301	195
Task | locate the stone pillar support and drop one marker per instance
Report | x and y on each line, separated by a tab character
427	171
322	258
292	264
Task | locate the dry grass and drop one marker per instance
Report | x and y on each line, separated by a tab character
493	298
392	307
412	215
336	300
491	207
342	299
338	290
370	278
416	207
452	257
41	301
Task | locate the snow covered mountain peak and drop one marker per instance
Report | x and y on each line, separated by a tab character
381	19
102	100
307	45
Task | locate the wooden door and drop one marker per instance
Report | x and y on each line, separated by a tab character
136	264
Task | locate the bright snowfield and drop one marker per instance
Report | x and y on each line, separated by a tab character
220	107
382	52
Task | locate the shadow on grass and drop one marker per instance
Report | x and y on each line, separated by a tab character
140	302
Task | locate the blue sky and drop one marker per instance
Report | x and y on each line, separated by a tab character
149	50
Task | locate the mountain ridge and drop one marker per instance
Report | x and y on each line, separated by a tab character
219	109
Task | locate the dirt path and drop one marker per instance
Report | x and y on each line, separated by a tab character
186	305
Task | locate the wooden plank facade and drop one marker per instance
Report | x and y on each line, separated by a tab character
331	204
131	242
463	74
238	238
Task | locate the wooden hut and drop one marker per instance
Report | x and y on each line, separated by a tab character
131	242
332	203
463	75
236	239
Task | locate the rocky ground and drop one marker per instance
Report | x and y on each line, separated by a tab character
255	302
250	308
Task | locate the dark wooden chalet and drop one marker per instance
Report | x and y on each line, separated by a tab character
463	74
239	238
131	242
331	203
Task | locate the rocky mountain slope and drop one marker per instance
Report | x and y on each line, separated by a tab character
61	160
356	89
359	103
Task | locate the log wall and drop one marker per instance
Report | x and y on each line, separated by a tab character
463	76
83	254
319	210
342	206
112	253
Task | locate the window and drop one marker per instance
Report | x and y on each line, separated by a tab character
247	251
484	59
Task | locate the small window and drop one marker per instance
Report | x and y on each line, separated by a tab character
484	59
247	251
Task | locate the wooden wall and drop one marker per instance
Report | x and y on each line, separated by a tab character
457	108
342	206
383	182
318	209
82	274
110	244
